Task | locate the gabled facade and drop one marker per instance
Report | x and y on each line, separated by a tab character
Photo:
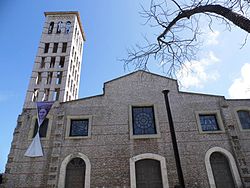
122	138
126	130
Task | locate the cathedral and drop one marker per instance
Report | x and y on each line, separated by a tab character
142	132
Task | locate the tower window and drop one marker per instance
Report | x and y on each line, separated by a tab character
70	65
67	28
61	63
67	94
75	93
75	57
73	89
71	85
59	77
46	48
42	65
77	79
51	26
80	47
64	47
73	51
49	77
75	32
59	27
56	94
52	62
39	78
75	74
46	94
69	81
55	47
35	95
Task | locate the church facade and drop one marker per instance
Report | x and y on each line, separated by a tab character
123	137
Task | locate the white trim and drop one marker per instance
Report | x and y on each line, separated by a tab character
232	163
61	181
148	156
211	112
132	136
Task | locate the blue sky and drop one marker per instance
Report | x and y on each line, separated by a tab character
111	27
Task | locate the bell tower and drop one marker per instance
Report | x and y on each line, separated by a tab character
56	71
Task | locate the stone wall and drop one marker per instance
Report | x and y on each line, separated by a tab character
110	146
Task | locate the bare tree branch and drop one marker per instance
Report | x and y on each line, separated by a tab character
178	42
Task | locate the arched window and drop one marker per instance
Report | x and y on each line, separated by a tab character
75	173
51	26
221	171
59	27
67	28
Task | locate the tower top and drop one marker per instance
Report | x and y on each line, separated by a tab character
76	13
57	67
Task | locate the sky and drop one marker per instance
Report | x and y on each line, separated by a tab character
111	27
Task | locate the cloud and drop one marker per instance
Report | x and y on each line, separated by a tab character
211	37
240	87
197	73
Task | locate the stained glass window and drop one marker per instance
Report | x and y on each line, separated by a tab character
209	122
79	127
244	116
143	120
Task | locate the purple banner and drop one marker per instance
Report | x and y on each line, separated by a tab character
35	148
43	109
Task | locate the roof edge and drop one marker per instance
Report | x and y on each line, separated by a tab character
142	71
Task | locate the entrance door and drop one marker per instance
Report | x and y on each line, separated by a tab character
148	174
75	173
221	171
